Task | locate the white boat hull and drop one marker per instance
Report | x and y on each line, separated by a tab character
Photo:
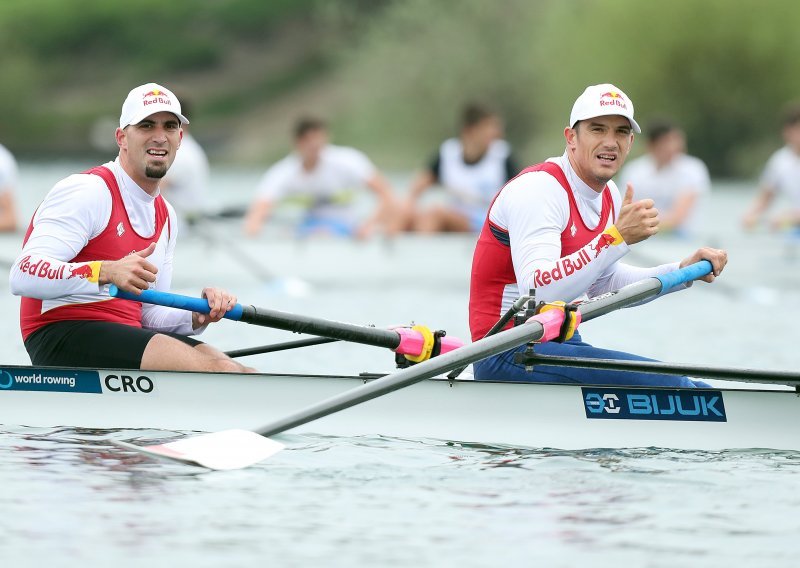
510	414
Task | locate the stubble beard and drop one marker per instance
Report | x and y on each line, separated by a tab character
602	180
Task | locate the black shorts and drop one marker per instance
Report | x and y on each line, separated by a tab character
93	344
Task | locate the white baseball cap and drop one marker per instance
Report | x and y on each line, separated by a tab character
602	100
146	100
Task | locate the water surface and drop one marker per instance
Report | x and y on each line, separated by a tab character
69	498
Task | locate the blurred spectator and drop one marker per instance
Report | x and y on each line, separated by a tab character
781	175
186	184
472	168
675	181
325	177
8	184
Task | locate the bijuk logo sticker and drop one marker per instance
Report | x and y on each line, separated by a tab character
654	404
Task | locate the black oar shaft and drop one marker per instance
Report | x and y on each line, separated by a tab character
300	323
285	346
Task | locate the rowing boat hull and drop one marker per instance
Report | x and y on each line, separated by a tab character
495	413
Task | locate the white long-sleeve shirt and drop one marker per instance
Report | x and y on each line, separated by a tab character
76	210
534	210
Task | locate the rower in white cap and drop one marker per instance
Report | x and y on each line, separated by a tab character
560	228
110	225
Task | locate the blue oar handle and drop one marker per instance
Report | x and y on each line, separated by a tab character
171	300
684	275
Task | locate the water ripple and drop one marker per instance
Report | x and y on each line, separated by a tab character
350	501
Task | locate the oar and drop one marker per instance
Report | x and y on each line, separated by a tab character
405	341
752	294
700	371
285	346
233	449
205	230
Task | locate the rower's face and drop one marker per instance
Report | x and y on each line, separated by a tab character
668	147
149	146
310	145
598	148
484	132
791	135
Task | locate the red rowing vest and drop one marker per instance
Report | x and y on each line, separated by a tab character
116	241
493	268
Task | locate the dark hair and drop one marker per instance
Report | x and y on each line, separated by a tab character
308	124
186	107
659	128
475	113
791	114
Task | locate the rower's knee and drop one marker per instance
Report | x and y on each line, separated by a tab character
430	221
169	354
228	365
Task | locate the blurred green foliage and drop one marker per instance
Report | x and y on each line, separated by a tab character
722	69
403	68
66	62
151	35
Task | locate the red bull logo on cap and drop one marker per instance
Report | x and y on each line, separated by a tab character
613	98
156	96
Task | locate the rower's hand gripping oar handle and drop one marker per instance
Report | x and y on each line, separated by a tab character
417	343
199	305
684	275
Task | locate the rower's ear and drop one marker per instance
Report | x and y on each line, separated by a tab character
121	137
571	135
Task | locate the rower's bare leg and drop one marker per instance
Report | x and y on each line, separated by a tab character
440	219
164	353
402	219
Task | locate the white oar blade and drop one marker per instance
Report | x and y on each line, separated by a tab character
228	449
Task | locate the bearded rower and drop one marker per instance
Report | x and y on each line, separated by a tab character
561	228
110	225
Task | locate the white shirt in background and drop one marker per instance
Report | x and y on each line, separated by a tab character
684	174
8	171
473	184
782	173
339	171
186	184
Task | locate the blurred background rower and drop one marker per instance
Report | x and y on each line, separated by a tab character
472	168
326	177
676	182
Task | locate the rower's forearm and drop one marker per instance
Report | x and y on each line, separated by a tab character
761	203
258	213
625	274
8	221
568	277
8	210
421	183
161	318
45	278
